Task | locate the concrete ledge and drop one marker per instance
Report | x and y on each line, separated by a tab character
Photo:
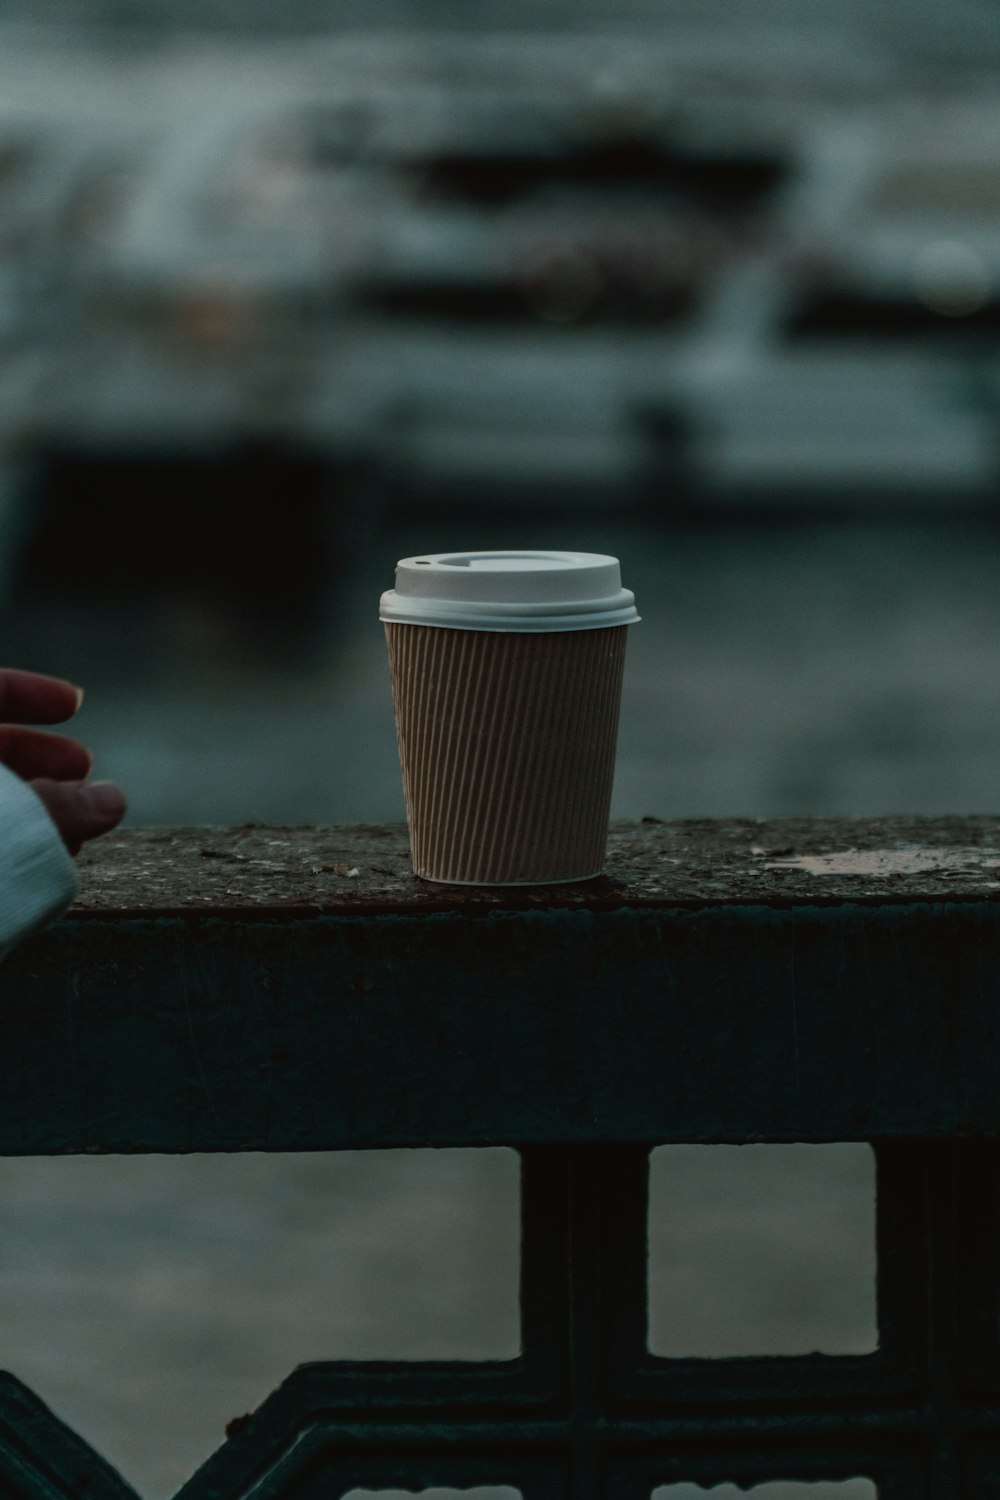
366	870
245	989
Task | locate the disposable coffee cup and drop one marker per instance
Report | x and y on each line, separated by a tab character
506	676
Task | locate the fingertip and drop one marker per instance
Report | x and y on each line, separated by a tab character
33	698
106	799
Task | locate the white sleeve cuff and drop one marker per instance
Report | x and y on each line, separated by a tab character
38	879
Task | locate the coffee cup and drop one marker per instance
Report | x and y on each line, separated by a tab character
506	673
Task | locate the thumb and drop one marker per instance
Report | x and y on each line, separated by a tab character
81	810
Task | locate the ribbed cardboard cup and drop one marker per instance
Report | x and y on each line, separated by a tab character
507	745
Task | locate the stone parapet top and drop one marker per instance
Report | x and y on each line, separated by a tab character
300	871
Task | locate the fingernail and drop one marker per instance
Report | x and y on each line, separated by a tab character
79	697
105	799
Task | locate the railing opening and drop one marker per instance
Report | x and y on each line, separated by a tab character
762	1250
236	1269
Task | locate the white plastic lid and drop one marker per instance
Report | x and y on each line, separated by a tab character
529	591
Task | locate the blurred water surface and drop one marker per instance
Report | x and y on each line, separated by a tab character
816	667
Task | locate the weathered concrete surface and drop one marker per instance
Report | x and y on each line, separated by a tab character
789	861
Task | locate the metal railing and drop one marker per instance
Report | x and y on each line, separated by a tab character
292	989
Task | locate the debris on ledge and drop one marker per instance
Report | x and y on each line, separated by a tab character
651	863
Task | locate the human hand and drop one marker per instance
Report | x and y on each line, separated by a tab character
53	765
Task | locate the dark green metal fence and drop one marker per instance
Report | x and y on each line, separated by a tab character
278	990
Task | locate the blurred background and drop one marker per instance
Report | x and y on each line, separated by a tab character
290	290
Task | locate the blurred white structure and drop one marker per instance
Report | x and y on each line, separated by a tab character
504	265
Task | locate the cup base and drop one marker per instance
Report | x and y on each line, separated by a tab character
555	880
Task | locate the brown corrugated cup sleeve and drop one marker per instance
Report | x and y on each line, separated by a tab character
507	745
